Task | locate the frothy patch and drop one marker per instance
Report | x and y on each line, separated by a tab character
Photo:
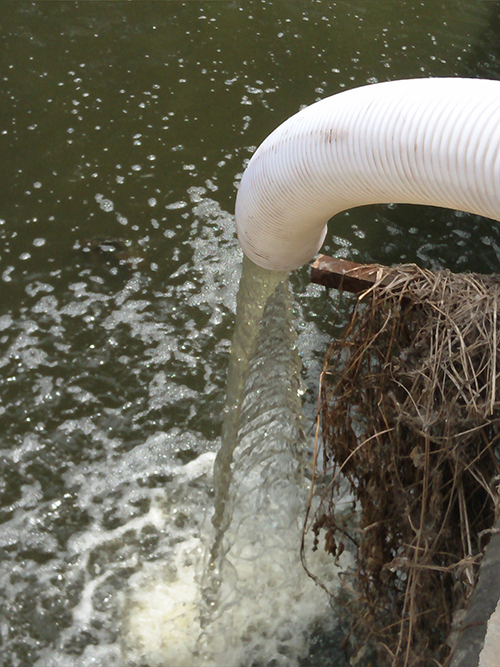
163	622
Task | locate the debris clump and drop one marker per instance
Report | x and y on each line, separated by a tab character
410	418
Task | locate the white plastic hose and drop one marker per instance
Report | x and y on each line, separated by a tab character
415	141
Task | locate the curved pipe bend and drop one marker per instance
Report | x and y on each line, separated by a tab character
415	141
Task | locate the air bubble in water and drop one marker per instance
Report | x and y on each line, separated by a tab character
105	204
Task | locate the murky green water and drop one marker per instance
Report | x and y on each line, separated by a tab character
124	128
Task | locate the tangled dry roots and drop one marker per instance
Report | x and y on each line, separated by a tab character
410	417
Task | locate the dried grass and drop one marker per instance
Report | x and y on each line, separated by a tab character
410	417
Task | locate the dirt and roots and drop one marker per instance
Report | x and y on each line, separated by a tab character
410	418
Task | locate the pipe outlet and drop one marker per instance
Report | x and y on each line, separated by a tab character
417	141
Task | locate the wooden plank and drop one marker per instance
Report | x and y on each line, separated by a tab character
343	275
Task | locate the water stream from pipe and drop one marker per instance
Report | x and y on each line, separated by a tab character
247	600
256	287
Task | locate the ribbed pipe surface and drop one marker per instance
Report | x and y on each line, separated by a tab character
415	141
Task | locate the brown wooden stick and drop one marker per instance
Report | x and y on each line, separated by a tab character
344	275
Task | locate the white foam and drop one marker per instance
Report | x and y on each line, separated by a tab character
163	617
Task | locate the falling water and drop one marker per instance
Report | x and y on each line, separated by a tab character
256	287
248	599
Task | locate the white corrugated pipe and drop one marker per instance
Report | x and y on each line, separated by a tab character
415	141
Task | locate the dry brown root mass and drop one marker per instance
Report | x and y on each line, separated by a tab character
410	417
